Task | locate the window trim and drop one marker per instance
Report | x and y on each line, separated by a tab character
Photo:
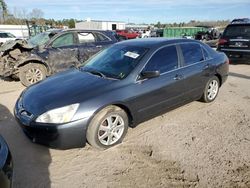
181	63
109	39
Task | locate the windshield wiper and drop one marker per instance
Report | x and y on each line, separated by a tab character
95	72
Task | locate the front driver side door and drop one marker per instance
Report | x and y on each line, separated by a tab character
156	95
62	52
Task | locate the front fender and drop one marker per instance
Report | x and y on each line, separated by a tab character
34	59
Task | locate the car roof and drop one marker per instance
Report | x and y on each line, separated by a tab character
240	20
77	30
239	24
154	42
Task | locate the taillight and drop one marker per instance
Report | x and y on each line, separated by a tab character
222	41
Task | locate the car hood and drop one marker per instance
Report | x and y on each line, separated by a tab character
70	87
13	44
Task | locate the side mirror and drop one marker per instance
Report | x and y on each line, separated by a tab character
150	74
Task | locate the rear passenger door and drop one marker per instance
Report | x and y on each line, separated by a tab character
195	68
87	45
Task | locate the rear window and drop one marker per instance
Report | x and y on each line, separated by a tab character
237	31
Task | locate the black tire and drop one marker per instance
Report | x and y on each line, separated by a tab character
93	132
207	95
32	73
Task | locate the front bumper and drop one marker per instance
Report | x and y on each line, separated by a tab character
6	70
61	136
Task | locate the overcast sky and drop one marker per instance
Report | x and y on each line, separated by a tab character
138	11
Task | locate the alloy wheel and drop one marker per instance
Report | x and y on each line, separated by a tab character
34	75
111	130
213	89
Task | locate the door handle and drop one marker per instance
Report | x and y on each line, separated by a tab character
206	66
178	77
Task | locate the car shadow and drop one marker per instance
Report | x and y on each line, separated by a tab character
31	161
239	75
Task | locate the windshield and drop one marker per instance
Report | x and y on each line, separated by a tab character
115	62
39	39
238	31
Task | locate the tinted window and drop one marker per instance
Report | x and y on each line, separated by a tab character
192	53
86	37
101	37
205	54
164	60
64	40
237	31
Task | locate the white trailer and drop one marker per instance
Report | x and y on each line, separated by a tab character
20	31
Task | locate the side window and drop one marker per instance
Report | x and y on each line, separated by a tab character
166	59
64	40
101	37
205	54
192	53
86	37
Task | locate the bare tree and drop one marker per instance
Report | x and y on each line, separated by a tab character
20	15
3	9
36	14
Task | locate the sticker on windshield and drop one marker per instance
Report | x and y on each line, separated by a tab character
132	55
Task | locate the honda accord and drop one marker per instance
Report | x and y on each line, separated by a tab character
120	87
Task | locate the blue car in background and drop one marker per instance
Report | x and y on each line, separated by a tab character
51	52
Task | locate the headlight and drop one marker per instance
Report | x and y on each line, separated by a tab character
59	115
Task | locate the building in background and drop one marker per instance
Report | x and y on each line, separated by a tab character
138	26
20	31
100	25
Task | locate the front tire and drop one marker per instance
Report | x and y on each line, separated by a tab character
107	128
211	90
32	73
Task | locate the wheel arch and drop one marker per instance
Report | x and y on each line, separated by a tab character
128	112
118	104
219	77
38	61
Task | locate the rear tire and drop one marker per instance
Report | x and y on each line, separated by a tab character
32	73
108	127
211	90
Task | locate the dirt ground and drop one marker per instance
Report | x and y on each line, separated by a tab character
197	145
